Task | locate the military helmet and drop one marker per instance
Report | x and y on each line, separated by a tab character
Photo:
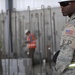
66	1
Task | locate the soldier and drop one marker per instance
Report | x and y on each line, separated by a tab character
65	63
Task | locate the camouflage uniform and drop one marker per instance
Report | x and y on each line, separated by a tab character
67	50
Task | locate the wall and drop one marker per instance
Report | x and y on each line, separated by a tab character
40	22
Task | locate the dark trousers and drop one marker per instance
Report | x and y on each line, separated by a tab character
31	54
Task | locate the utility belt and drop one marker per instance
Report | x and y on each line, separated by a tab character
72	65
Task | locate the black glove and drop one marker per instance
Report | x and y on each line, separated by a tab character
55	56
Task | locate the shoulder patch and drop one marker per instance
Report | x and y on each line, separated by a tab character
69	32
68	36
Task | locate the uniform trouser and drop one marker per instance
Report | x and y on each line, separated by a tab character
69	72
31	54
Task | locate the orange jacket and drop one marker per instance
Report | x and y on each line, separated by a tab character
32	41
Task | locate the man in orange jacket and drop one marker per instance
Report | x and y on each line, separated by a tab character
31	44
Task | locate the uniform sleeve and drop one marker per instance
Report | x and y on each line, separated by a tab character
64	58
66	50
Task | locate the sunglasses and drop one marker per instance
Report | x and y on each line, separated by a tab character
64	4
